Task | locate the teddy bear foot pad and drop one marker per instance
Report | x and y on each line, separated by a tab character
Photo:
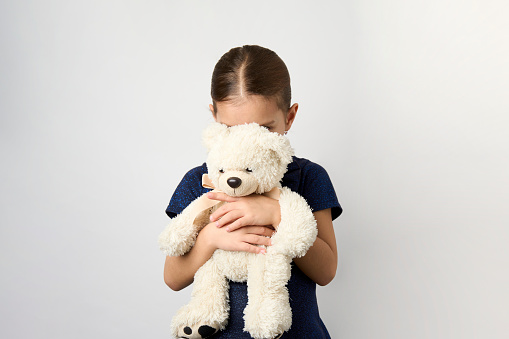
196	332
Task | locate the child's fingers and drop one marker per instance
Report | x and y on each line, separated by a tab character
259	230
228	218
222	211
221	197
245	247
245	240
238	223
257	240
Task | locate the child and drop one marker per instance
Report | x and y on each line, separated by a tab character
252	84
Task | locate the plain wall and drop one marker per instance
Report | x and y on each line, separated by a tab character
405	103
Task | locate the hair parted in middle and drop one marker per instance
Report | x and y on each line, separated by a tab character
251	70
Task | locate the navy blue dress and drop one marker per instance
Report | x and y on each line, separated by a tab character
312	182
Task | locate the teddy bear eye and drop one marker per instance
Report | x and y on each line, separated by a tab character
221	170
248	170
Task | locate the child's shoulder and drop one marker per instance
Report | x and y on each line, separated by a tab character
192	180
312	181
307	165
305	170
195	172
188	189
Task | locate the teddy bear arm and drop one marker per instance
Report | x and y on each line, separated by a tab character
297	231
180	234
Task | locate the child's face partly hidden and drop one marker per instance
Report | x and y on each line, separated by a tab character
255	108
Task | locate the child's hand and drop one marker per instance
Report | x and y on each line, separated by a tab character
245	239
253	210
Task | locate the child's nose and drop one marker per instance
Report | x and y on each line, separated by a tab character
234	182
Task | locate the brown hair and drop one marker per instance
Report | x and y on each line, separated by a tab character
251	69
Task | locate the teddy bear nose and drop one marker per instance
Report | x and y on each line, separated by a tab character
234	182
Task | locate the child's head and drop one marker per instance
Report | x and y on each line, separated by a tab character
252	84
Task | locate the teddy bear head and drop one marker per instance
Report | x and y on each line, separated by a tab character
246	159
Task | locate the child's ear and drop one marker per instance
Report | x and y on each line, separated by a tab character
211	108
213	133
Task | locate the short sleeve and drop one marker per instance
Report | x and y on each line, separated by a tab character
187	191
318	190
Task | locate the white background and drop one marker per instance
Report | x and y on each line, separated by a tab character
405	103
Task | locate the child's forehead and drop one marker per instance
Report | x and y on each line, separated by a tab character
254	108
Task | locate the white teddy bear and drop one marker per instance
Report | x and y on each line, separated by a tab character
242	160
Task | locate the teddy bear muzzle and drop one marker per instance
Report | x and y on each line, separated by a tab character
237	183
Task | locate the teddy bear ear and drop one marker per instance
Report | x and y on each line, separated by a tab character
280	145
214	132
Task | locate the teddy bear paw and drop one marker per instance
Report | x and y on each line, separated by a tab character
197	331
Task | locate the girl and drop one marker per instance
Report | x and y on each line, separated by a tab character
252	84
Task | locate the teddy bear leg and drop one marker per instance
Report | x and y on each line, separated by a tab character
208	310
268	313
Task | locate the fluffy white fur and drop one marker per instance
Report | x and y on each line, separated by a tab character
259	158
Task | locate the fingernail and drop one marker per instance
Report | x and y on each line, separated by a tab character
227	229
217	223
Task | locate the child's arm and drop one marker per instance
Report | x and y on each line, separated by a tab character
321	261
179	271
